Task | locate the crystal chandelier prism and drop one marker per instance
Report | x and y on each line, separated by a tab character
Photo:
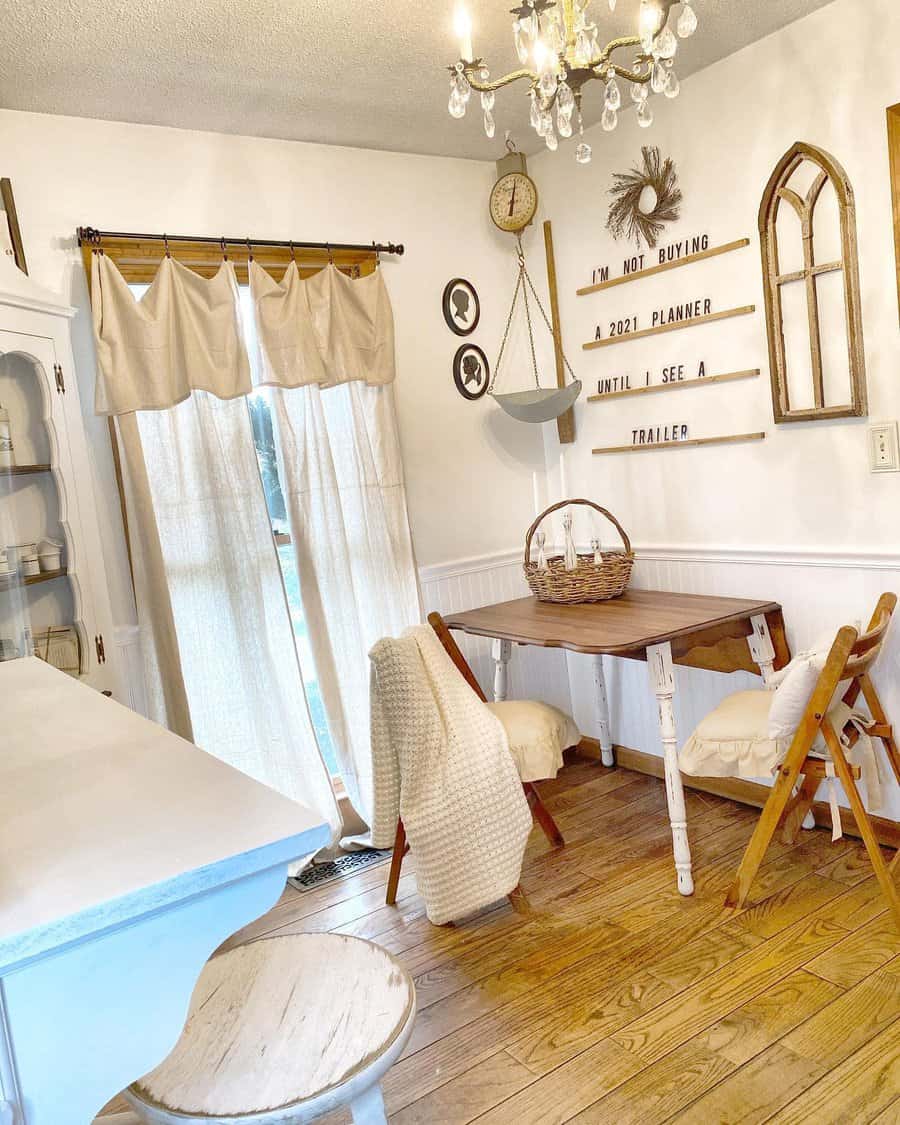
558	46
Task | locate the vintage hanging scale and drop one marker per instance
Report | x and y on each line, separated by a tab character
513	205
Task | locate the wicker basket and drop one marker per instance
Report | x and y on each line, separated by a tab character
588	582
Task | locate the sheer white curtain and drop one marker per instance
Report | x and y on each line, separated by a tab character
342	477
220	657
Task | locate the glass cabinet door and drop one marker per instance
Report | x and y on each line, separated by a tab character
45	605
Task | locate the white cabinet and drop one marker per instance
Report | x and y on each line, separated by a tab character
48	494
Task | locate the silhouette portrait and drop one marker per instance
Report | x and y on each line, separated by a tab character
461	306
471	372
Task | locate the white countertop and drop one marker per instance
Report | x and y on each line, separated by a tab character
105	815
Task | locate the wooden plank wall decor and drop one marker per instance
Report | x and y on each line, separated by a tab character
675	384
687	322
681	443
893	132
565	423
777	192
709	252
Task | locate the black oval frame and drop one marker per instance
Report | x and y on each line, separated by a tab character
448	312
457	372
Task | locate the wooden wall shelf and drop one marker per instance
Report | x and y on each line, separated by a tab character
6	581
711	252
726	377
688	323
24	470
725	439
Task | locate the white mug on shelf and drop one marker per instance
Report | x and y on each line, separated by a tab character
49	554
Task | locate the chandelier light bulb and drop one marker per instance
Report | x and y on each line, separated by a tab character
462	25
651	19
541	54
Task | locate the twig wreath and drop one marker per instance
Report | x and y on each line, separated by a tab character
625	214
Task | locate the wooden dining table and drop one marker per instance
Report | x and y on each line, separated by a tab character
657	626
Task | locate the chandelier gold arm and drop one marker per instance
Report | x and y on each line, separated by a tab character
472	68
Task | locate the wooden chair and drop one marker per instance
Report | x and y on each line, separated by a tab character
851	657
538	808
282	1031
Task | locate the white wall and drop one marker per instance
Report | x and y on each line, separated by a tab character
468	467
797	517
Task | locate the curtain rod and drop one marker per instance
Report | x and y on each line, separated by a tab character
93	237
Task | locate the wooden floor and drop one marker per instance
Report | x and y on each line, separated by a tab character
619	1001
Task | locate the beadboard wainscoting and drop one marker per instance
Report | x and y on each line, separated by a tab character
482	580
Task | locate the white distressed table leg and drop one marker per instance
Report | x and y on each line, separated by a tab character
602	702
662	679
501	652
368	1108
761	648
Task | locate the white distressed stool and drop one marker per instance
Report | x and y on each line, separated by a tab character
281	1031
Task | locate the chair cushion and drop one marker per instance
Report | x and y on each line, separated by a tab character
278	1022
537	733
734	741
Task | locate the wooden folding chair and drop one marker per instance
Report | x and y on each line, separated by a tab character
851	658
538	809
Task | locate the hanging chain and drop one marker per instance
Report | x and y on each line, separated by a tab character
522	278
546	320
512	309
524	273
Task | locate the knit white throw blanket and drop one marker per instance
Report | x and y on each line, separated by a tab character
441	761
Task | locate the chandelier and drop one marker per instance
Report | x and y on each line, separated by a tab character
558	46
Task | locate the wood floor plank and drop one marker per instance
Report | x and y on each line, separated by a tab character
850	1020
752	1093
787	904
695	1009
860	953
465	1098
658	1091
762	1021
864	1085
566	1090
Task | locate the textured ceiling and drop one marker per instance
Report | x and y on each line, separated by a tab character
348	72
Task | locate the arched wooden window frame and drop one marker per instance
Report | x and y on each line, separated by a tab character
776	193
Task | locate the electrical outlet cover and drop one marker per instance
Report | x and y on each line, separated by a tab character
884	448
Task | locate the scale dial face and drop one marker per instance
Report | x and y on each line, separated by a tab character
514	201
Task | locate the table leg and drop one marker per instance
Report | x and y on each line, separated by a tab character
761	648
662	679
501	652
606	750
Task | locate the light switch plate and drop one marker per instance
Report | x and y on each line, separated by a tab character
884	448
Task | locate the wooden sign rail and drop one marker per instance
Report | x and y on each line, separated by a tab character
687	323
711	252
725	377
725	439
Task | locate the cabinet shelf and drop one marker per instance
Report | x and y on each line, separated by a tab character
24	470
8	580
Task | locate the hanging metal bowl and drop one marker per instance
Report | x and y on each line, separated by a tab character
539	404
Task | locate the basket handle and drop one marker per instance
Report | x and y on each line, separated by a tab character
565	504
